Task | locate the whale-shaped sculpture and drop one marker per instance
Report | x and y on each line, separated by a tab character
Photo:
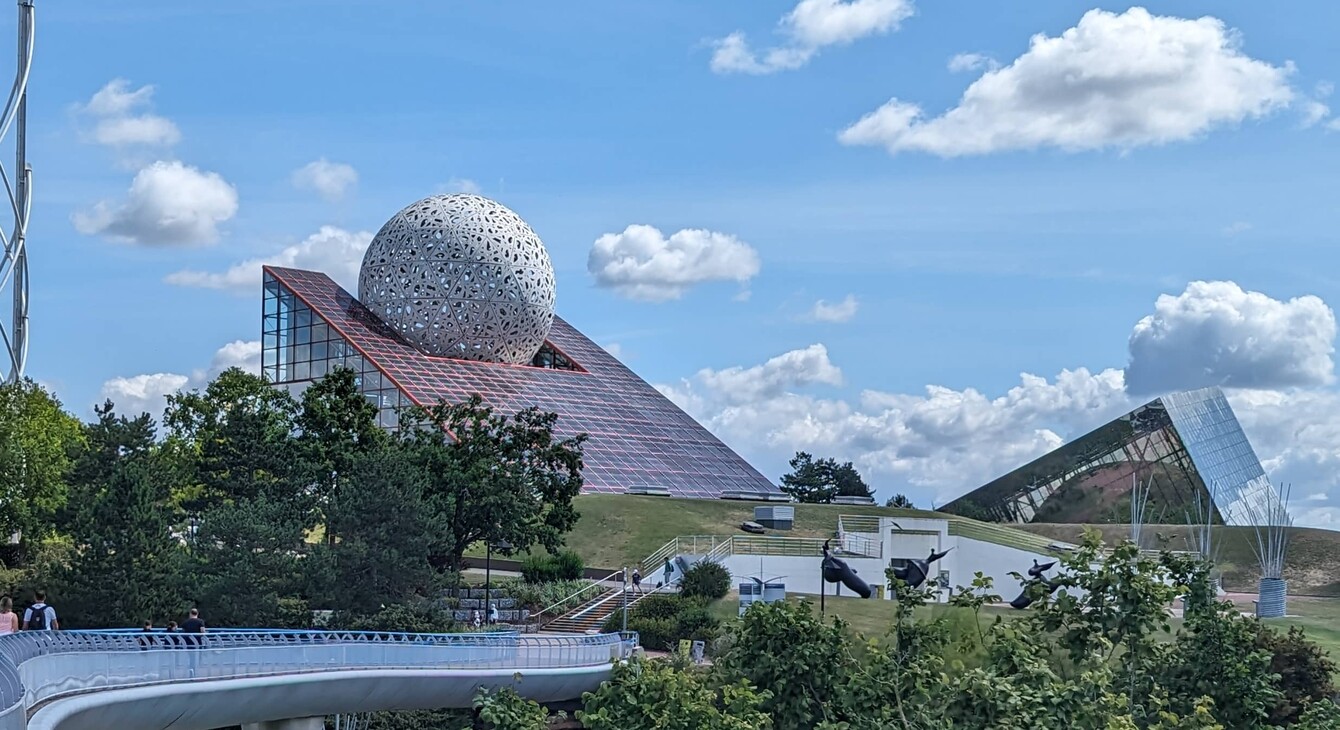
836	570
916	571
1035	577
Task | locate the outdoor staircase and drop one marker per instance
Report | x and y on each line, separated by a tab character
588	616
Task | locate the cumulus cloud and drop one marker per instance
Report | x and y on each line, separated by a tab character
461	185
1215	333
962	62
1114	80
148	393
842	311
334	251
642	263
1236	227
168	204
123	118
810	26
330	180
942	442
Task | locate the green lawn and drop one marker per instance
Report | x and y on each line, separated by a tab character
1319	617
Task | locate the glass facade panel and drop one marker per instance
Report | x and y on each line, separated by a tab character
299	347
637	437
1186	446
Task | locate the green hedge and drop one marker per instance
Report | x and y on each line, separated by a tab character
566	565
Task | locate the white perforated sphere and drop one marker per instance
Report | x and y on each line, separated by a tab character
461	276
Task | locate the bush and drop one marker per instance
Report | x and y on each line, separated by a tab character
1304	671
661	620
566	565
539	596
707	579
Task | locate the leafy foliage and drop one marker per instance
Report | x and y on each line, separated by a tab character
1304	671
36	437
706	579
565	566
900	501
507	710
499	478
653	695
819	481
662	619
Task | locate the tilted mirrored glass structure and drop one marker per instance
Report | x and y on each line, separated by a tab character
1182	444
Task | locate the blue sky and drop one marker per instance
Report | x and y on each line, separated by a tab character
1027	232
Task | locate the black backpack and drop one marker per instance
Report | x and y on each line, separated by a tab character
37	620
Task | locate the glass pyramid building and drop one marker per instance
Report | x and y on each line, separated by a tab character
640	442
1188	446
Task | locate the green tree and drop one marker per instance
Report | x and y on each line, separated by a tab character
386	533
337	425
899	501
818	481
128	563
785	650
496	478
254	496
1305	671
654	695
507	710
36	438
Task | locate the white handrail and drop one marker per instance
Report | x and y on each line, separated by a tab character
594	583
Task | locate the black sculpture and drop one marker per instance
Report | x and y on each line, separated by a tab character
1035	578
836	570
915	572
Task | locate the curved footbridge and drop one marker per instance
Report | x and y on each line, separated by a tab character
93	680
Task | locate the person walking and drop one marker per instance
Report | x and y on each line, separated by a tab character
493	614
40	616
194	626
9	621
637	580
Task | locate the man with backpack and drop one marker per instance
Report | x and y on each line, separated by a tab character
40	616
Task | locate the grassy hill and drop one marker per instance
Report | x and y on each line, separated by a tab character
616	530
1312	566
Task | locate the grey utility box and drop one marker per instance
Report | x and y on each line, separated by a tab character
775	518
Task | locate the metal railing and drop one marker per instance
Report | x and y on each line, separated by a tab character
858	523
38	666
553	611
682	545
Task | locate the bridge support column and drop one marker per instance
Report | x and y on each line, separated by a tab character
293	723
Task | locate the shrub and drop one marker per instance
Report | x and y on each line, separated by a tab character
538	596
661	620
566	565
654	694
707	579
1304	671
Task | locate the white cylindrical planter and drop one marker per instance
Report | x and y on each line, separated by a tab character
1273	598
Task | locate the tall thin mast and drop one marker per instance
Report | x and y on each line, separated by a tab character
14	268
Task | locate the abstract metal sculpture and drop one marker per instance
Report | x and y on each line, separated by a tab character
1035	577
461	276
836	570
14	265
915	572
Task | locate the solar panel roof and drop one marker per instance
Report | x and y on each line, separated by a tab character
638	437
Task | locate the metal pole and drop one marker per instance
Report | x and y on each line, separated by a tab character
18	334
821	593
488	579
625	598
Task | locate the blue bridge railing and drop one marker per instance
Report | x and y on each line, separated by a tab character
39	666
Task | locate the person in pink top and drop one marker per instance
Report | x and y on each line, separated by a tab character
9	621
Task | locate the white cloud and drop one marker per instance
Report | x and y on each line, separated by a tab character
614	349
642	263
1236	227
143	393
1316	497
461	185
810	26
842	311
929	443
962	62
334	251
330	180
124	117
168	204
148	393
1115	80
1215	333
1314	112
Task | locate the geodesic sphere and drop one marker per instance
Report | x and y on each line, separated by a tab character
461	276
